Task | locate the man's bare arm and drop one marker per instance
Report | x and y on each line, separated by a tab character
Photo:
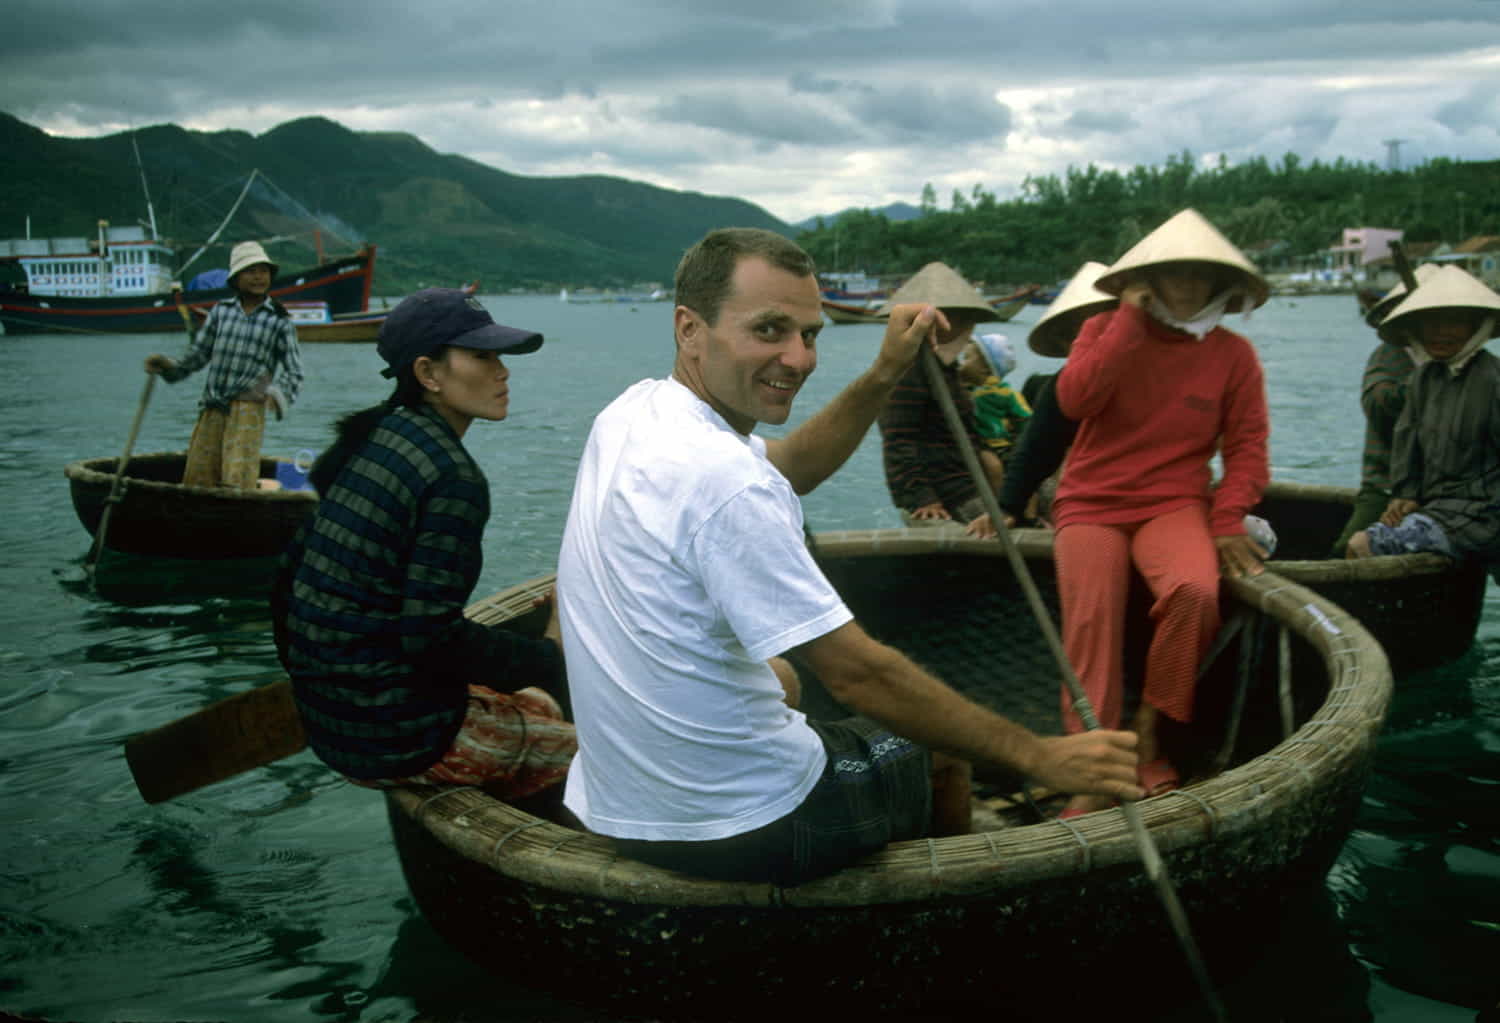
883	684
814	451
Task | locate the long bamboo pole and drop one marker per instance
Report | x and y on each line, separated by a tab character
118	483
1156	870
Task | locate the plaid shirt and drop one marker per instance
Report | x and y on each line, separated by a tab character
241	351
368	605
922	464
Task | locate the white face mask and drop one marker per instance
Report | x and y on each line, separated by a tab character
1204	320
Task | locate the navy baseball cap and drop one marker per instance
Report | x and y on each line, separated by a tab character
427	320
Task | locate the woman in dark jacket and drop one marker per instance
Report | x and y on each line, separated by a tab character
393	683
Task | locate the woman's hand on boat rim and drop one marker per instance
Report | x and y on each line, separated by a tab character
1238	556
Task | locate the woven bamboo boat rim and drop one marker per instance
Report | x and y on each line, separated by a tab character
100	472
1337	570
1342	731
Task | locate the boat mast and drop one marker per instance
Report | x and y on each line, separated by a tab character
150	211
223	223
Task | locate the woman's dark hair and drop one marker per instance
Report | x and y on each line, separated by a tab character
354	429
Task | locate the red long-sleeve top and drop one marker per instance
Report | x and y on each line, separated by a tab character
1153	405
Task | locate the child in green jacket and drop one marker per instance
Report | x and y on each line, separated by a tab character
1000	413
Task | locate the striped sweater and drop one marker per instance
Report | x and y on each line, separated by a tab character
368	605
922	463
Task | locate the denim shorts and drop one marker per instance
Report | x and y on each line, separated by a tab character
875	789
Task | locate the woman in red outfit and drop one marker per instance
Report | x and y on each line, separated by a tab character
1158	387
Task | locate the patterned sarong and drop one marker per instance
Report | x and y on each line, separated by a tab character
513	744
225	449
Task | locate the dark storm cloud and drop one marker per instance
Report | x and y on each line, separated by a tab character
781	90
841	113
920	113
756	117
1480	107
1081	123
153	60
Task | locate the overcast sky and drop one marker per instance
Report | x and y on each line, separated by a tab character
803	107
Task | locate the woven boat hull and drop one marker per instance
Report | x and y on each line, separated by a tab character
1424	609
990	915
159	517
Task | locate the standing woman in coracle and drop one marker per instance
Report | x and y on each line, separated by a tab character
393	684
250	348
1157	387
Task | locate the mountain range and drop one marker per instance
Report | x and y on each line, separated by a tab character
895	213
438	219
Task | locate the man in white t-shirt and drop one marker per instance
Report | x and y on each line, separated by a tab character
684	576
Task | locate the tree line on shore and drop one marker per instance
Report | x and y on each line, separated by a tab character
1289	211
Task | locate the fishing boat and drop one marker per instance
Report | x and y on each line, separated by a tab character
342	284
158	516
1006	306
851	288
315	323
613	298
848	312
1423	608
124	280
1028	905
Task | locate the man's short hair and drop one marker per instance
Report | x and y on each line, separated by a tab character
704	274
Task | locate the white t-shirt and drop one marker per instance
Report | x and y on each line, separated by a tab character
683	569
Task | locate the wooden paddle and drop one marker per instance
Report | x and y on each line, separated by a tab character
1156	870
252	729
118	483
234	735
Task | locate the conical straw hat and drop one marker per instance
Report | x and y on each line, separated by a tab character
940	285
1187	237
1449	288
1054	331
1383	306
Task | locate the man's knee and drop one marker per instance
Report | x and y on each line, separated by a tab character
952	783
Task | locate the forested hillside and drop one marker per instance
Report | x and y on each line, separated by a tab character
1058	222
445	219
437	219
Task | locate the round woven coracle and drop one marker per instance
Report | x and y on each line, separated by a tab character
158	516
987	912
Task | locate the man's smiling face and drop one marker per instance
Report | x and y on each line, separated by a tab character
751	363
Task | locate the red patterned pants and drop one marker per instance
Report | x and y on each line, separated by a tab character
513	744
1176	556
